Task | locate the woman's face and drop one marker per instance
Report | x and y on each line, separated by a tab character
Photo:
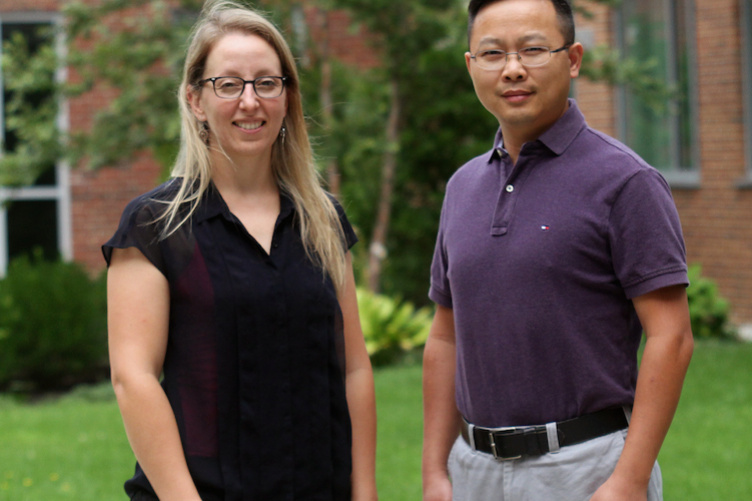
245	127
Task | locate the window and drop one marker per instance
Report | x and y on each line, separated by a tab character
35	216
662	32
746	54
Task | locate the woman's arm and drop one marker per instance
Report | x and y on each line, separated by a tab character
137	315
360	394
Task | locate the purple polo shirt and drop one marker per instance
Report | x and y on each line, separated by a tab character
539	262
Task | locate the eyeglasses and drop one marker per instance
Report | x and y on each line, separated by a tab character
495	59
233	87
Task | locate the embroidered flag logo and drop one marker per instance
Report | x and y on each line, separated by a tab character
545	227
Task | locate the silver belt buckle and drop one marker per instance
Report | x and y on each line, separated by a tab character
492	440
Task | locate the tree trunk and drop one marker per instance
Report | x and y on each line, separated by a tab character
377	249
325	97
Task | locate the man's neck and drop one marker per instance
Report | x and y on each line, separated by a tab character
515	136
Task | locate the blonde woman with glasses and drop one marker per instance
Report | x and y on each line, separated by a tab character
237	355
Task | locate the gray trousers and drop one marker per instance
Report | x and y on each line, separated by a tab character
573	473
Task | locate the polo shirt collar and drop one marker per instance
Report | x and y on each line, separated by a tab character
557	138
565	130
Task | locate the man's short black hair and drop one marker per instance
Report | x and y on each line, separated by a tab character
563	12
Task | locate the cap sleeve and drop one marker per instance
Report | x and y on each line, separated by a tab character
350	237
138	228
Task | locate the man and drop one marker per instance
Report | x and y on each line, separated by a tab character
555	250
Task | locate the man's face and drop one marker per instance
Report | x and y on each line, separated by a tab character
525	100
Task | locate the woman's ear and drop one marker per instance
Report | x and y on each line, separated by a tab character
194	100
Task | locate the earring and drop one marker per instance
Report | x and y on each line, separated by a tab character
283	134
204	133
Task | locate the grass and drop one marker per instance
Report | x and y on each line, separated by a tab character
74	447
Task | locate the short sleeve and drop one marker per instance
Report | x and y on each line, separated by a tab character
646	238
138	228
439	291
349	233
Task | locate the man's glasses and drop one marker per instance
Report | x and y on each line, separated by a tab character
495	59
233	87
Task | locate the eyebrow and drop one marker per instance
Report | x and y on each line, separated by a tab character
524	39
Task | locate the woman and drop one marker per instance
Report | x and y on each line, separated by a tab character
233	283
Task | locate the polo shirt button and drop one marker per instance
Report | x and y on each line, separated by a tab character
510	188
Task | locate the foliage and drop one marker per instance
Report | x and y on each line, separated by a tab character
391	327
133	50
52	325
708	311
32	140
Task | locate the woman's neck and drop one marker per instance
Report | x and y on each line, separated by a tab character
246	177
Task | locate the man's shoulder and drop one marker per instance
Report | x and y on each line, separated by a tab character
470	170
603	148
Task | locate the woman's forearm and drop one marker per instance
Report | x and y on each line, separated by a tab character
153	434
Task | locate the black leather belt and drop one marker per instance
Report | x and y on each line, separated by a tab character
517	442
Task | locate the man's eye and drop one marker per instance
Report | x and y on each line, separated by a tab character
492	54
532	51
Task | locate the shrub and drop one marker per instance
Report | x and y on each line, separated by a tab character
391	327
53	325
708	311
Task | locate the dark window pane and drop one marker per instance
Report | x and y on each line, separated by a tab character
31	225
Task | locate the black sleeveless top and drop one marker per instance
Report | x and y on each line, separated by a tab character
254	368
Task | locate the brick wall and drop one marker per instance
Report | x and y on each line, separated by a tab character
28	5
97	197
715	216
595	99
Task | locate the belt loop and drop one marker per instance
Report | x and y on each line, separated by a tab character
471	435
628	413
552	432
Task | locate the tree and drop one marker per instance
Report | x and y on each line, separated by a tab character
129	50
394	133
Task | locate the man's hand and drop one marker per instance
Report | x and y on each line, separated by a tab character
615	490
437	488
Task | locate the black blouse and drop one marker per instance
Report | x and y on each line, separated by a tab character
254	368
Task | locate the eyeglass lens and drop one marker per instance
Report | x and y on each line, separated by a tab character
496	59
233	87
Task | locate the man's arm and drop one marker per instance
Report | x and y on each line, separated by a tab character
441	420
664	315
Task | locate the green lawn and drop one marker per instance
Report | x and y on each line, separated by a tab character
75	448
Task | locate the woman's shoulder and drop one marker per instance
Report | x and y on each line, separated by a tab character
150	205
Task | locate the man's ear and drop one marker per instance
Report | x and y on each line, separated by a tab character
575	59
194	101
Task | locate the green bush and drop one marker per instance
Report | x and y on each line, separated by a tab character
392	328
53	326
708	311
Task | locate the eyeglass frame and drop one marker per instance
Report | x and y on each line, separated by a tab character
519	57
213	80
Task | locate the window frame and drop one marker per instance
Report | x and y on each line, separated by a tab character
678	176
61	191
745	53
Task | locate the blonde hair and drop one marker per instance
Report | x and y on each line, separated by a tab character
292	160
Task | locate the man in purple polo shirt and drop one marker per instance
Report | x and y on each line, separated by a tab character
556	249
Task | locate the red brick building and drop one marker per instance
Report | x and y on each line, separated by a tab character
703	145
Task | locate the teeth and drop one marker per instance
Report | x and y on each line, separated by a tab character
249	126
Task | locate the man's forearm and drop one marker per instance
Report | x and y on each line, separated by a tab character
441	418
